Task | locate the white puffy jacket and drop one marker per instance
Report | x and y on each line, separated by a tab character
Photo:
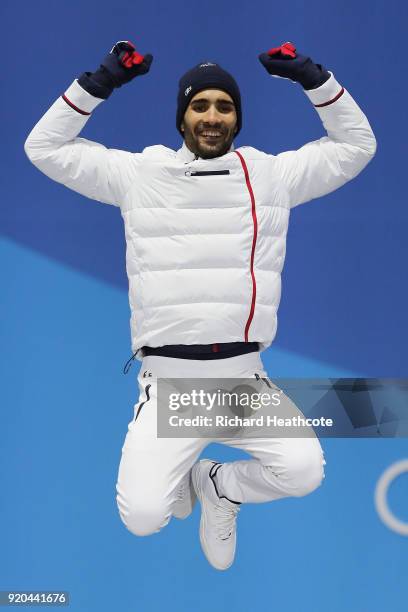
205	238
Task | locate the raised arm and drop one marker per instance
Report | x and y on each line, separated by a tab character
87	167
323	165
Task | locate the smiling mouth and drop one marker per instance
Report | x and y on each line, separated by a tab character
210	135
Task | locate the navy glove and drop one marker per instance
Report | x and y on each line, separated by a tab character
120	66
284	62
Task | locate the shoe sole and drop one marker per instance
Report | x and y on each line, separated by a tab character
200	495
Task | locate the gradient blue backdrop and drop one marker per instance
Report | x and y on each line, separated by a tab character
64	330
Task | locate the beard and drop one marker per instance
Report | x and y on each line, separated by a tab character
208	147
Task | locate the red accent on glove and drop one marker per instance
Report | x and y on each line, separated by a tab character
136	58
287	49
129	59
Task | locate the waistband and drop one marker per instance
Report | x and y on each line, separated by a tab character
222	350
241	366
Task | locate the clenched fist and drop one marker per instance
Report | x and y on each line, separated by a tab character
284	62
120	66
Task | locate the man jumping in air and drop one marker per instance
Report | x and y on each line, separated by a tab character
206	236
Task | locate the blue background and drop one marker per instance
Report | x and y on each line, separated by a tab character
64	328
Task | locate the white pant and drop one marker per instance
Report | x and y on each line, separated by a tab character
151	468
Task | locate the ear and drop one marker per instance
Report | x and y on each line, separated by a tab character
182	126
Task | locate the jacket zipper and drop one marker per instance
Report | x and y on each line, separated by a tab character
206	172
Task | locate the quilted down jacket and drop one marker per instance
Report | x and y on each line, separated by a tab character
206	238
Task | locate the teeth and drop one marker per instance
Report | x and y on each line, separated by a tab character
211	133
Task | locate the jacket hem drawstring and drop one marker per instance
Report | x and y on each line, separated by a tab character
129	363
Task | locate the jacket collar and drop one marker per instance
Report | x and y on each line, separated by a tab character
184	154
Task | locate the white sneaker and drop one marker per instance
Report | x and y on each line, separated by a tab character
186	498
218	517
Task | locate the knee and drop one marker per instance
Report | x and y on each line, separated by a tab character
144	522
306	470
141	524
142	519
302	468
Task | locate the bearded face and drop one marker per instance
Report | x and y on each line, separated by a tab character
210	123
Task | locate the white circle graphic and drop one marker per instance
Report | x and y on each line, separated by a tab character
381	503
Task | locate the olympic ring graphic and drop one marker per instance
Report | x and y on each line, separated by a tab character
381	503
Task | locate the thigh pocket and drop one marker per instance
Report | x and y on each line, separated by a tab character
267	381
144	398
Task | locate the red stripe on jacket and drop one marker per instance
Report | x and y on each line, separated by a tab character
341	92
78	110
255	223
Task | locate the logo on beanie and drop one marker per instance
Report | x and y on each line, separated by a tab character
187	91
207	64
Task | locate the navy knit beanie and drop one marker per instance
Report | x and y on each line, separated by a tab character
206	75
